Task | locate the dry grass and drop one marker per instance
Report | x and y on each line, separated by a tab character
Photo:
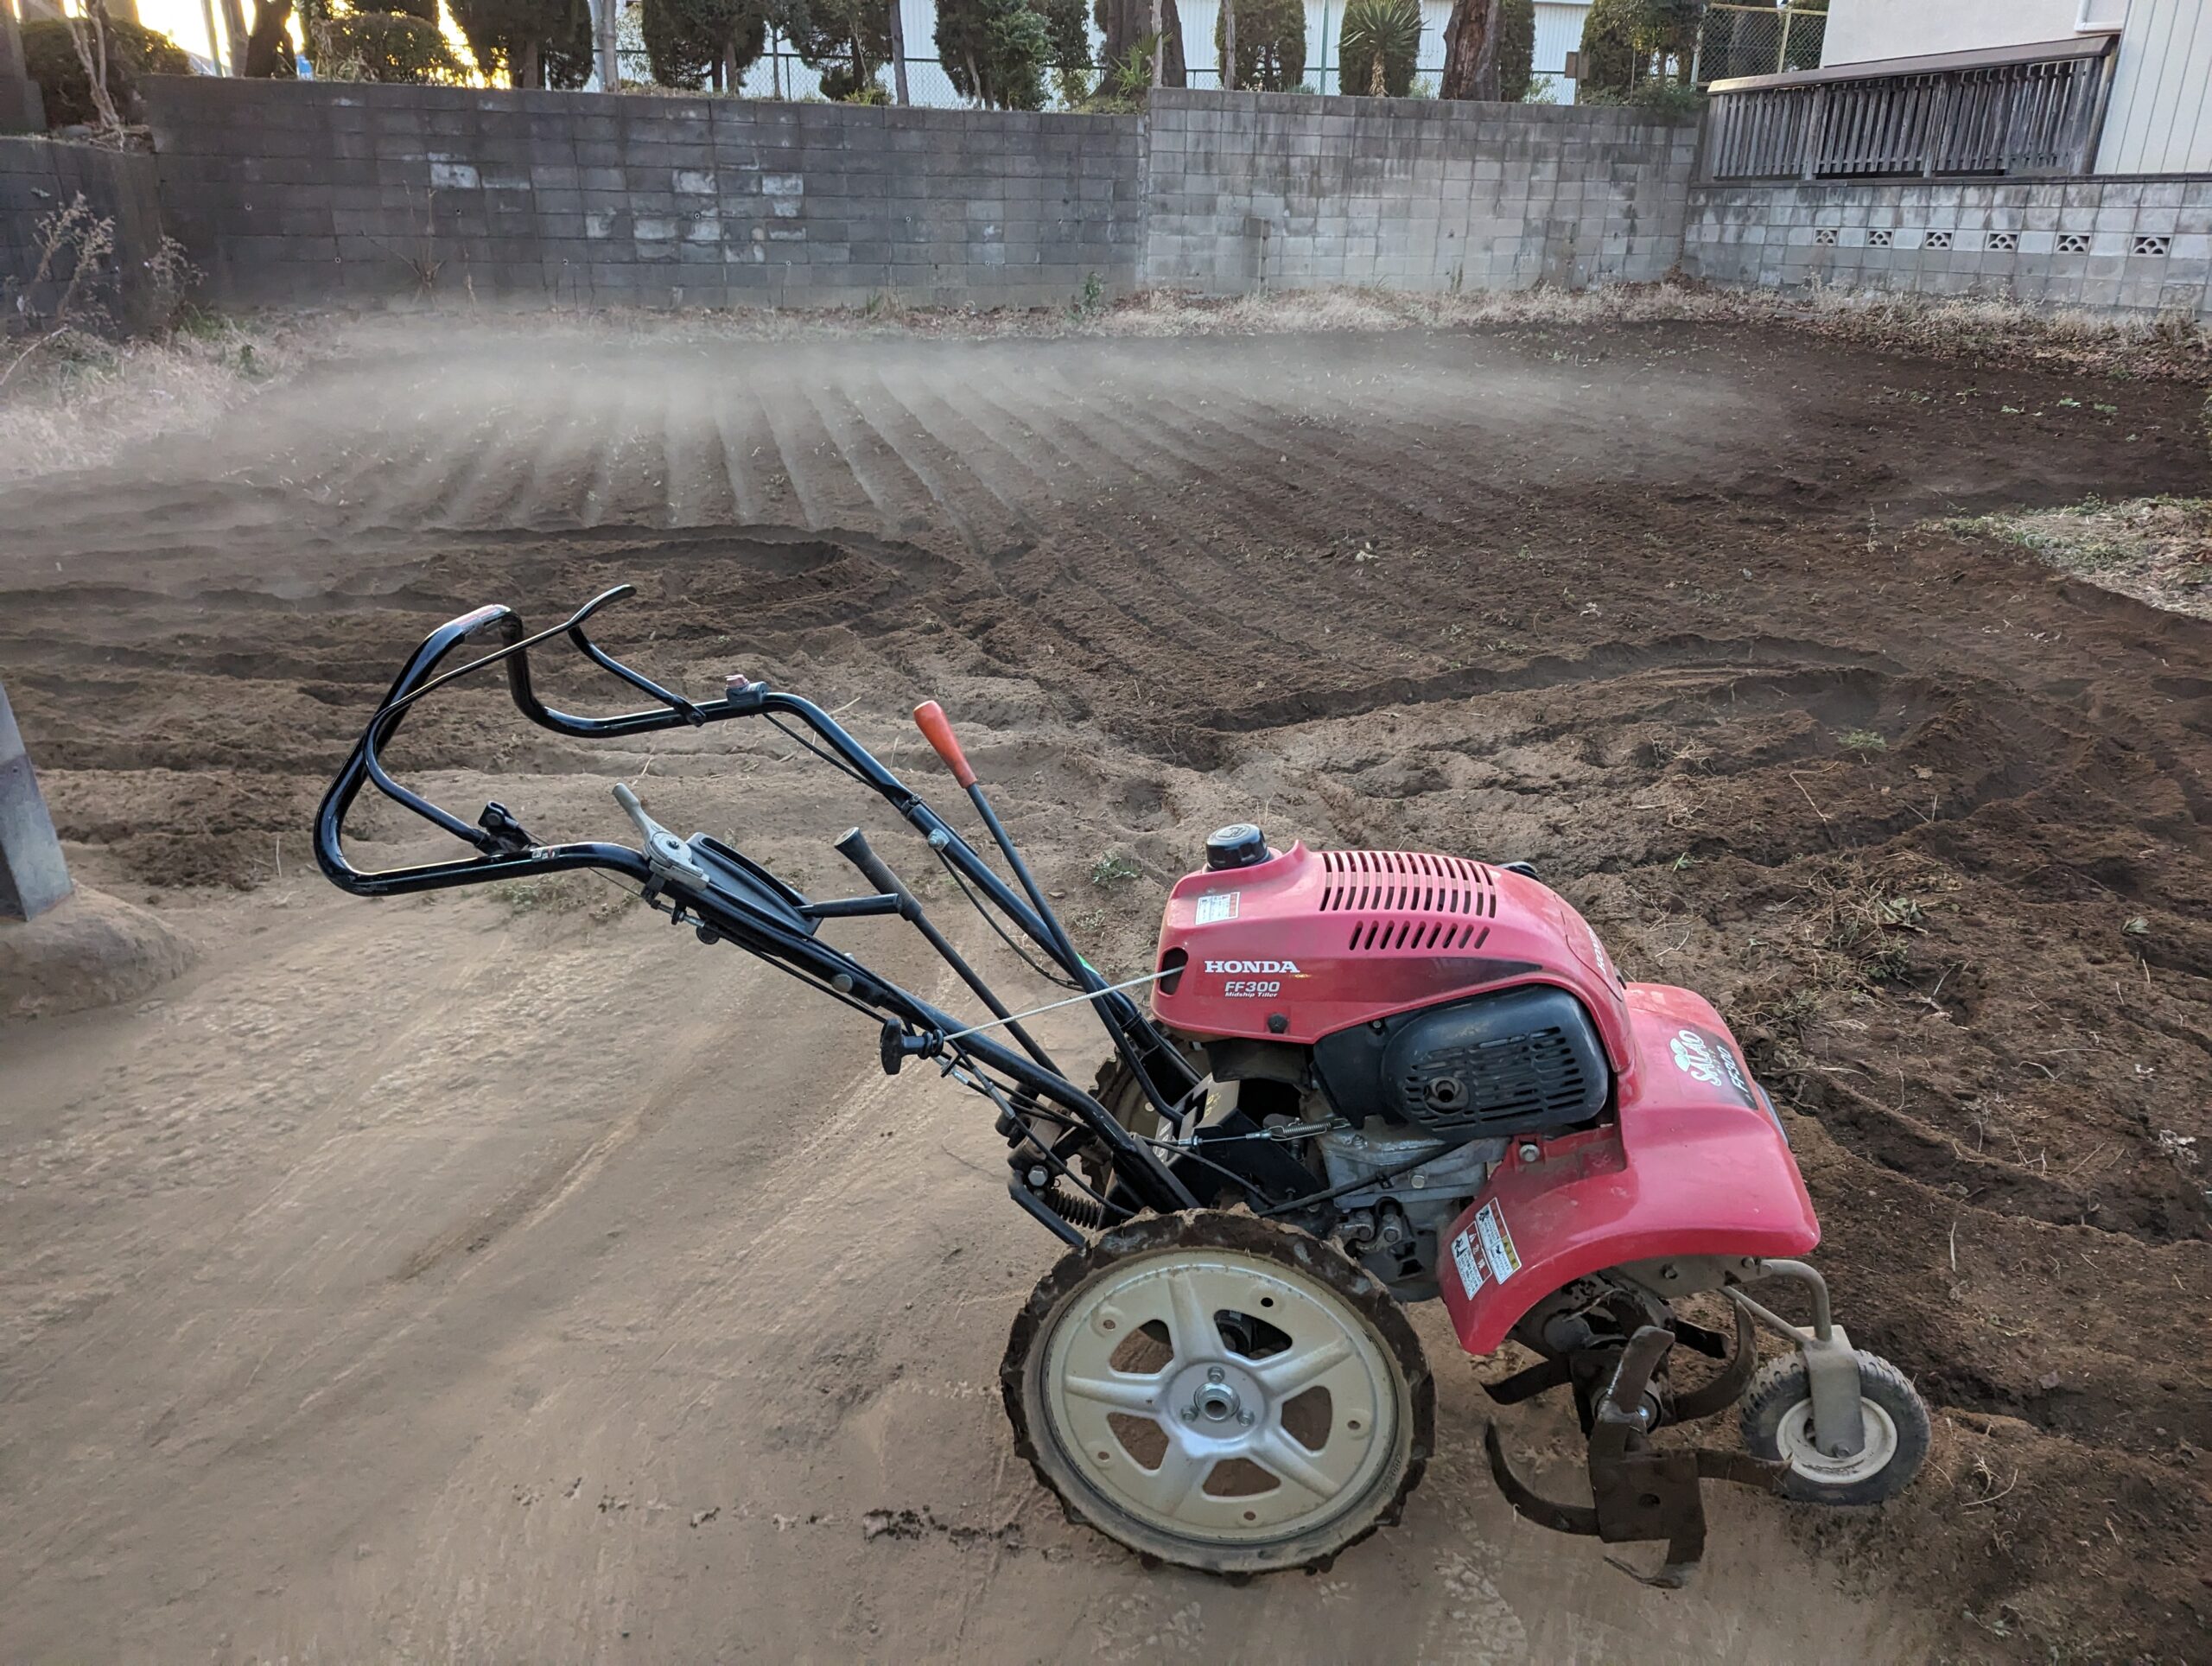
1984	330
84	402
2156	550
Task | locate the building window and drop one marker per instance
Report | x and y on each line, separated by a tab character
2151	245
1878	239
1825	237
1937	241
2003	243
2074	243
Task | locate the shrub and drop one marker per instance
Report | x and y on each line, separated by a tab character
1626	43
1608	48
382	46
1379	45
531	42
994	51
50	55
847	41
1271	42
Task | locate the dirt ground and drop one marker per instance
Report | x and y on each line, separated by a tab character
501	1276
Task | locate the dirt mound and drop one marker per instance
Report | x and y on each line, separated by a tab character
90	950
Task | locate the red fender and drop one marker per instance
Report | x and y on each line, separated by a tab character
1697	1164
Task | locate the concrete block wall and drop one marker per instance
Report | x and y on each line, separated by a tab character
2112	246
38	177
1253	190
292	192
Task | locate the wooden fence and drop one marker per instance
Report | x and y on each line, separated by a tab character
2021	111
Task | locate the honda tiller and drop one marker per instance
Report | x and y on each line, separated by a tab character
1367	1077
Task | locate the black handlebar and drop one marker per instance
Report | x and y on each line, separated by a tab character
505	850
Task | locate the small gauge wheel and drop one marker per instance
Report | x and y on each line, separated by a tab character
1777	1417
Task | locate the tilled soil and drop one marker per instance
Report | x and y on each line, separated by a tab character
1661	610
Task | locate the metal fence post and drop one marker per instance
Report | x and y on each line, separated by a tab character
33	877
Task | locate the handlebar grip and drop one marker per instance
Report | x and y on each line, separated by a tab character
854	847
937	729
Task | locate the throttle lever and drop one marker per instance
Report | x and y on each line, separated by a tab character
669	856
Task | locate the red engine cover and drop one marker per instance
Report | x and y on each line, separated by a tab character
1310	942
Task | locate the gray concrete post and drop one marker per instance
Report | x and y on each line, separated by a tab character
21	109
32	876
606	57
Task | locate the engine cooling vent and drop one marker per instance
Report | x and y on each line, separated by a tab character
1518	1062
1408	899
1522	1082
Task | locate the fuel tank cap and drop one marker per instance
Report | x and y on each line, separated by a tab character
1238	845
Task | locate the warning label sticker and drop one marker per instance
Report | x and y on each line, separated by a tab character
1497	1243
1463	1257
1219	905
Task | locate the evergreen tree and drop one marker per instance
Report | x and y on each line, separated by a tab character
994	51
694	43
1127	25
848	40
1270	43
1517	49
531	42
1628	42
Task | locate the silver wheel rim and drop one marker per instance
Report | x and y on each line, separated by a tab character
1795	1439
1197	1445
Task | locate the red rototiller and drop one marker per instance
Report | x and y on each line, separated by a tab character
1367	1077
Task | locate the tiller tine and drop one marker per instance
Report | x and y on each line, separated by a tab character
1721	1393
1539	1378
1638	1492
1527	1501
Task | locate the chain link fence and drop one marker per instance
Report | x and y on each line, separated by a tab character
1751	40
779	72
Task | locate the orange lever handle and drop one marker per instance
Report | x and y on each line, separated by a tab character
937	729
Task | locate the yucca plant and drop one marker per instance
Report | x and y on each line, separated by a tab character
1378	47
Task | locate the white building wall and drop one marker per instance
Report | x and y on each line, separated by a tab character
1558	31
2160	118
1861	30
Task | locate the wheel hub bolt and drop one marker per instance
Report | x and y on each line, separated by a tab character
1245	1418
1218	1402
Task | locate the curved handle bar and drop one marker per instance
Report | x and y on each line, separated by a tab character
502	855
505	850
